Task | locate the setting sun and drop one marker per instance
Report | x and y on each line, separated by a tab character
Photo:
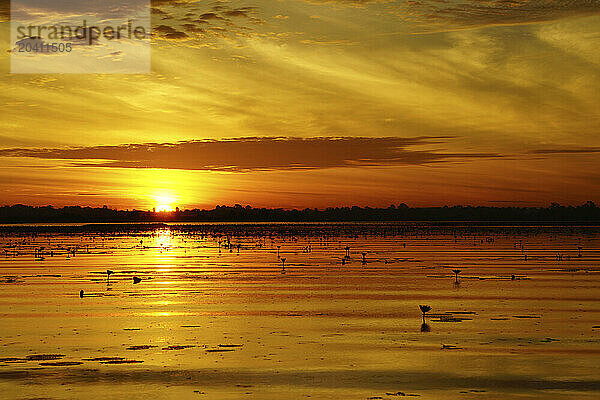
164	202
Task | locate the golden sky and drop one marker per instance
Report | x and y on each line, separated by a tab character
316	103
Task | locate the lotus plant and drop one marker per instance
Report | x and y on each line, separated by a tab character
456	272
424	309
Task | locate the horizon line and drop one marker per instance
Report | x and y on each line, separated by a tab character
175	209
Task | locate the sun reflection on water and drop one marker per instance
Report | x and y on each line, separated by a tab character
163	238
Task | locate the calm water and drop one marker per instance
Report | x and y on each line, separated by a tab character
213	320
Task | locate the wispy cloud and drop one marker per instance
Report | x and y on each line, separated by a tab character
194	21
575	150
257	153
450	14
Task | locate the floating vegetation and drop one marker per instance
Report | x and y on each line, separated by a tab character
9	279
60	363
121	362
549	340
13	360
401	394
104	359
44	357
223	348
141	347
450	347
567	270
450	318
178	347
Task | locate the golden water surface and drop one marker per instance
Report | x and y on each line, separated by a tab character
217	316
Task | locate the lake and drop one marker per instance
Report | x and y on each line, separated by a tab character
295	311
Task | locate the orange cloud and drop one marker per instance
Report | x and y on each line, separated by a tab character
258	153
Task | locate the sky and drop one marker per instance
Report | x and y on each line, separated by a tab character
319	103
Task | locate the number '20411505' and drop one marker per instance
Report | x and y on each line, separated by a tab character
45	48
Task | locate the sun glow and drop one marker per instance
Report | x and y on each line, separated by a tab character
164	202
163	238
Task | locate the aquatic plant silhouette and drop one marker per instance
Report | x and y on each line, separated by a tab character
456	272
424	309
38	253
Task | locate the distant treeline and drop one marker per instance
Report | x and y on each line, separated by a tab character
586	213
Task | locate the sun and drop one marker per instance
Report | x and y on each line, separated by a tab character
164	208
164	202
